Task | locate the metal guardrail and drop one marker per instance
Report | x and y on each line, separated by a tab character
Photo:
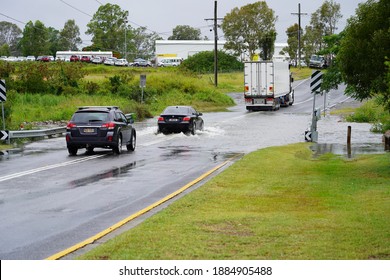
36	133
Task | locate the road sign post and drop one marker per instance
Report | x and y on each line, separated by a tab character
3	98
142	84
315	87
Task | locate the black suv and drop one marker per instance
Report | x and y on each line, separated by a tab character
99	126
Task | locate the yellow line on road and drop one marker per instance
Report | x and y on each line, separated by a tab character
92	239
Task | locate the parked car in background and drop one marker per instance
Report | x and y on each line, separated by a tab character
180	119
45	59
11	59
175	61
110	61
85	58
97	60
30	58
317	61
139	62
121	62
100	126
74	58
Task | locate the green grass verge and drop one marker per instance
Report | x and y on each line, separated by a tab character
275	203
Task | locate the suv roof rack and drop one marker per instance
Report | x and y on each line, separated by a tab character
99	107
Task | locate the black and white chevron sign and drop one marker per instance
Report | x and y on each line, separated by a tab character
3	91
316	80
4	134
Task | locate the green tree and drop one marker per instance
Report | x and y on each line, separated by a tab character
10	36
250	28
329	15
292	40
185	32
323	23
107	27
143	43
365	49
54	37
35	40
70	36
5	50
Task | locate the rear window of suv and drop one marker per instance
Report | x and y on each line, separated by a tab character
87	117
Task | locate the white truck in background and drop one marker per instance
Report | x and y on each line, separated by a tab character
268	84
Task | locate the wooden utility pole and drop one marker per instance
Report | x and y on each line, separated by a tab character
215	27
299	32
215	45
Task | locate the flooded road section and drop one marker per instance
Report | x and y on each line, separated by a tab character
50	201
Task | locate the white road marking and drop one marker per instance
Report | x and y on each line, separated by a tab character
48	167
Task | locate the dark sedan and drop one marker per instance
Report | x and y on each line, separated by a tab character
180	119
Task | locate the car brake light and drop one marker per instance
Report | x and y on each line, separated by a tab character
71	125
186	119
160	119
109	125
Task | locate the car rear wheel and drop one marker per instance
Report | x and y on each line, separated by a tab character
131	145
118	148
193	128
72	151
201	126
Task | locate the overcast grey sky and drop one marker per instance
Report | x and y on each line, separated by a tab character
160	16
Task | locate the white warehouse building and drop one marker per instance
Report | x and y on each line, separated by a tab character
183	48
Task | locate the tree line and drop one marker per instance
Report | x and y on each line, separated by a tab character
359	53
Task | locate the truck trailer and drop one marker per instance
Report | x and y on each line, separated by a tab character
268	84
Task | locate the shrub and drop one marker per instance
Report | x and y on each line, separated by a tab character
203	62
372	112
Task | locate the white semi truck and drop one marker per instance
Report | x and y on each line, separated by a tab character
268	84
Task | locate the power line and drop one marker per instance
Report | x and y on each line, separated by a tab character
75	8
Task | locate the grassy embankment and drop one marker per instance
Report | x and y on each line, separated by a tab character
163	87
312	208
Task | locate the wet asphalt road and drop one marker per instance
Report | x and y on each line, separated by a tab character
50	201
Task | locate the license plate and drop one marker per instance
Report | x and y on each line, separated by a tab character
173	120
258	101
89	130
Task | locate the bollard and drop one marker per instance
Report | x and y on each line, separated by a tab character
349	135
386	138
349	150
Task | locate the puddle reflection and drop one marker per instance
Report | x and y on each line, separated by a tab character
116	172
345	150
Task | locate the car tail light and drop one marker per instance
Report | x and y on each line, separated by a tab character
71	125
186	119
109	125
160	119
